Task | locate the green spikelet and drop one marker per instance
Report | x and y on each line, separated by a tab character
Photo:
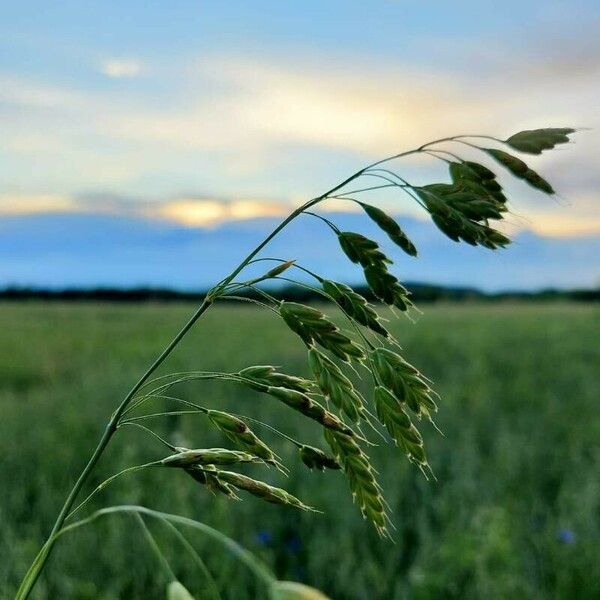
355	306
393	230
207	456
335	385
391	414
261	490
208	476
314	458
361	478
463	215
404	381
387	288
267	375
360	249
535	141
310	408
238	432
521	170
312	325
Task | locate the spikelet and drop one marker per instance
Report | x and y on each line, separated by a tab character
361	478
534	141
354	305
237	431
335	385
404	381
207	456
314	458
393	230
310	408
391	414
387	288
360	249
462	215
260	489
521	170
208	476
267	375
279	269
312	325
473	177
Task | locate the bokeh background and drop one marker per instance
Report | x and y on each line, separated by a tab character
153	144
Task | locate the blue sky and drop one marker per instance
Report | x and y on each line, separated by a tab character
198	113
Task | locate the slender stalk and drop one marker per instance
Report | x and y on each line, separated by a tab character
40	560
162	559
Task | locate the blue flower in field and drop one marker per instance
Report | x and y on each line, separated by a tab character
566	536
264	537
293	543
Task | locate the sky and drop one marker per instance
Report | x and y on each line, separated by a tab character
202	113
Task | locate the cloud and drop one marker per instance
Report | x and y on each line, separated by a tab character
202	212
121	67
247	120
553	219
22	204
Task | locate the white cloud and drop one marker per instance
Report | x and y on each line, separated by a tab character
19	204
121	67
241	116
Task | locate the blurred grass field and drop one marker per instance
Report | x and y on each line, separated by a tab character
515	511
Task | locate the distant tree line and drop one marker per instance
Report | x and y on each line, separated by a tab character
420	293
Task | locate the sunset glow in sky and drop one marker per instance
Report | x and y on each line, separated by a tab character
202	112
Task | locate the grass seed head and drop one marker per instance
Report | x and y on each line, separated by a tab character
310	408
262	490
335	385
312	326
404	381
535	141
360	249
239	432
267	375
361	478
355	306
463	214
393	230
279	269
208	456
406	436
314	458
521	170
209	477
387	288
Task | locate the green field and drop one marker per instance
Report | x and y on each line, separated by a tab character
515	511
